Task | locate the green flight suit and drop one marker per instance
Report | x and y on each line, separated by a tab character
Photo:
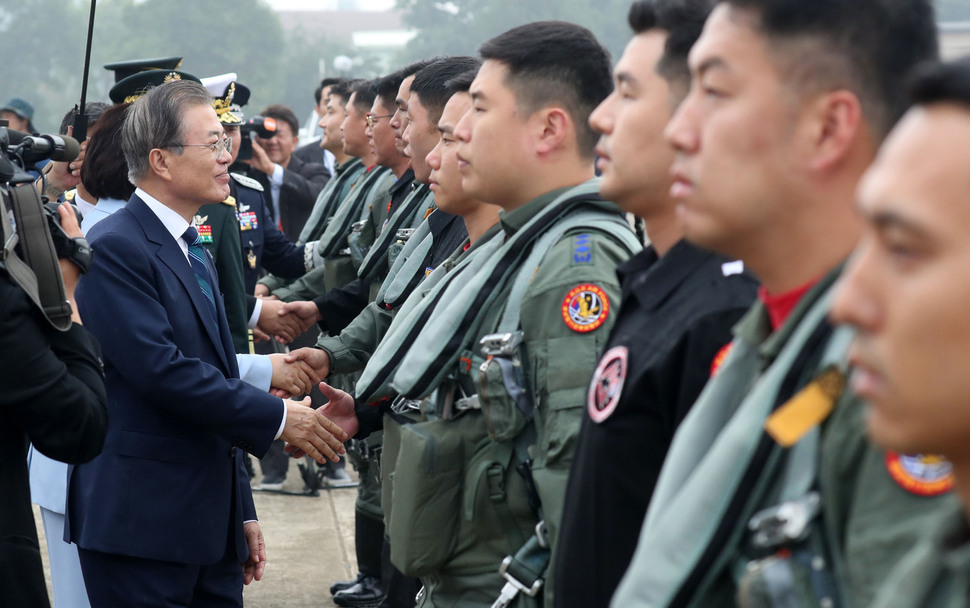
490	514
329	199
936	573
695	547
338	268
219	228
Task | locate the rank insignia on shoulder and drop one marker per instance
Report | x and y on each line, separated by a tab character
231	201
582	250
585	308
248	220
607	385
245	180
807	409
205	232
920	474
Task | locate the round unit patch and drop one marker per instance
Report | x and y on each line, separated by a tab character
607	385
585	308
719	358
921	474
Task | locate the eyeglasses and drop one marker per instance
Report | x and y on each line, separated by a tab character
372	120
224	144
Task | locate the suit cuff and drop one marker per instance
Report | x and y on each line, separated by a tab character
254	319
256	370
279	431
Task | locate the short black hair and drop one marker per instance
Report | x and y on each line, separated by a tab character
105	171
432	83
92	111
344	88
683	20
326	82
365	94
388	86
462	83
554	62
941	83
867	47
278	111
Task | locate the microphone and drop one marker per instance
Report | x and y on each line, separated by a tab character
38	147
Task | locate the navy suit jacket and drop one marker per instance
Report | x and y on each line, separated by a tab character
170	484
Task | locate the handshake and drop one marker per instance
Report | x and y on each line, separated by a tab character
317	433
284	321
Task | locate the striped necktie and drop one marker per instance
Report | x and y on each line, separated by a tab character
200	264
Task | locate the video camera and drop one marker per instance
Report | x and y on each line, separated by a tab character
20	151
33	238
257	126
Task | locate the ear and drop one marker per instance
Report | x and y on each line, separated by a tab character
837	127
553	126
158	162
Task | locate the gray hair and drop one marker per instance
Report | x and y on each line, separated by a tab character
155	121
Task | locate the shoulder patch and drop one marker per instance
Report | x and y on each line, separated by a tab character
920	474
585	308
719	358
582	252
247	181
231	201
607	384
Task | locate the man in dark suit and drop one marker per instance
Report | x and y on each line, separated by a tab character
293	184
164	516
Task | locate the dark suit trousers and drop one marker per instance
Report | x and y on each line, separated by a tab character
122	580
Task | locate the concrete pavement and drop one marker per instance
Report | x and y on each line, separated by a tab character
309	545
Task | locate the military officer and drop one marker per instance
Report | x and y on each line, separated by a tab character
901	292
770	493
678	305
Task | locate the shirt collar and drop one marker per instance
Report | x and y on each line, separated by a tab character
511	221
174	223
82	205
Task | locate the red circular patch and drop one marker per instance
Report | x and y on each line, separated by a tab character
607	384
719	358
921	474
585	308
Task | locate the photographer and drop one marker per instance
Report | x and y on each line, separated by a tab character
53	396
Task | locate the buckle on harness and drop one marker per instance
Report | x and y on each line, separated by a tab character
358	226
501	344
785	523
403	405
403	234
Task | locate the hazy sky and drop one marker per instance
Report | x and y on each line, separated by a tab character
310	5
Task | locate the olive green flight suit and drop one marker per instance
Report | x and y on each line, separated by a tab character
936	573
483	511
695	547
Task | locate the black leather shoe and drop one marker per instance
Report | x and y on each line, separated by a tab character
366	591
341	585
